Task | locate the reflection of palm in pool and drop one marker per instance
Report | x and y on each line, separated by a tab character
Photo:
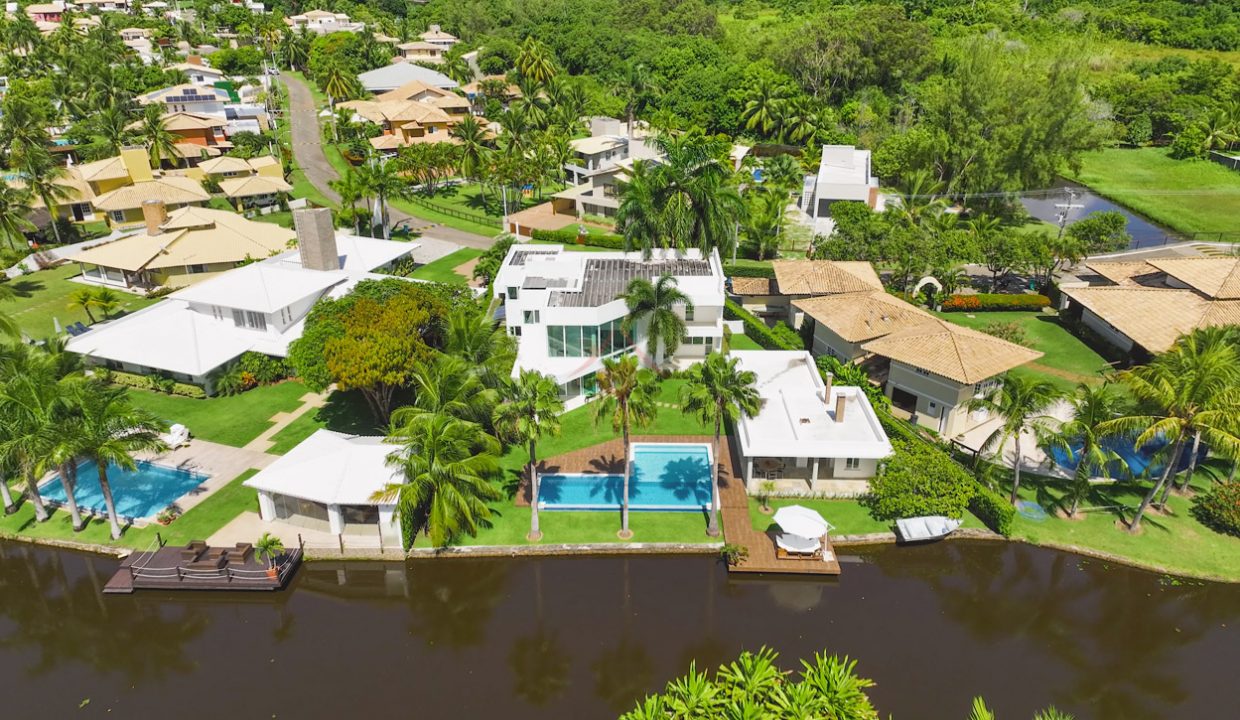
1146	461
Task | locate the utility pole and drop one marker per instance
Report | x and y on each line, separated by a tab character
1065	209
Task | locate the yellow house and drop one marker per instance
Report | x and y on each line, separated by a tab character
180	249
404	122
124	204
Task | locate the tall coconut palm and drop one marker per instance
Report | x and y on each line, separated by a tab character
32	405
110	431
111	130
635	89
337	83
83	299
1193	392
350	189
15	211
639	217
45	178
447	386
161	144
1021	403
531	411
654	305
447	469
487	348
627	394
717	391
534	61
765	105
473	143
1081	439
382	180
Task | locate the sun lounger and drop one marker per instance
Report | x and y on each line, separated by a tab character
177	436
241	553
798	545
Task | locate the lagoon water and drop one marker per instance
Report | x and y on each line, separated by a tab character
1042	206
586	637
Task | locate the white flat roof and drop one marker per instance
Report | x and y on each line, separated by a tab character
331	468
796	419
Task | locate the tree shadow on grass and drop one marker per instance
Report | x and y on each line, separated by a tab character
26	288
347	412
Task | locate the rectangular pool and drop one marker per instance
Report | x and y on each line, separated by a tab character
139	494
665	476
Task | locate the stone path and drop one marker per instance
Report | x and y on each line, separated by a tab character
281	420
307	142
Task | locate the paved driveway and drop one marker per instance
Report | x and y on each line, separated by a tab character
308	152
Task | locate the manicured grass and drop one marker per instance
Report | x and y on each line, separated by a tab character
303	188
424	213
443	270
198	523
43	296
470	198
281	218
741	341
1176	542
510	525
1066	361
344	412
1185	195
849	517
233	420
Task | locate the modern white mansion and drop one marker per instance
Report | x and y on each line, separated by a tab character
260	307
564	308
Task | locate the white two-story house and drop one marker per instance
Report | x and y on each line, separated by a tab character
564	308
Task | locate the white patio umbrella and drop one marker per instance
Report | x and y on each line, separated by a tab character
802	521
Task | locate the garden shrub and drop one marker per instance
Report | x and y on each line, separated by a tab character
156	383
265	369
777	339
489	262
1009	331
1219	508
568	236
992	509
919	479
749	271
981	302
843	373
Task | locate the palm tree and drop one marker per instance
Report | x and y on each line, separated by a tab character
639	216
161	144
716	391
487	348
530	412
472	136
1022	403
84	299
382	180
269	546
110	432
765	105
627	395
448	386
15	211
447	467
1193	392
43	177
655	304
111	128
1081	439
336	82
349	187
635	88
534	61
107	300
32	404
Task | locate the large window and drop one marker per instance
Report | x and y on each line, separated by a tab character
586	340
250	319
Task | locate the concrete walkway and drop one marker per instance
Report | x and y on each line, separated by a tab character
281	420
307	142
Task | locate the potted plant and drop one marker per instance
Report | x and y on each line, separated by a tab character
765	489
733	553
272	547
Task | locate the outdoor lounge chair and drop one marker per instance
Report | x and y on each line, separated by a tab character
797	545
241	553
177	436
192	551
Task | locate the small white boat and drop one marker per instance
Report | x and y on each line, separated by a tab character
928	527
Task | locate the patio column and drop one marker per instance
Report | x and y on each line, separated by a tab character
266	506
335	519
748	472
389	528
813	473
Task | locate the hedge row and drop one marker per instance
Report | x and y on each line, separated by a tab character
568	236
781	337
152	382
994	301
749	271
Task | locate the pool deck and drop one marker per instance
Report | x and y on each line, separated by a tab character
167	569
608	459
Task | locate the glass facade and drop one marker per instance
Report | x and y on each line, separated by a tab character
586	340
586	385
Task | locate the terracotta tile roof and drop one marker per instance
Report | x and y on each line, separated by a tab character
1216	277
253	185
861	316
1155	318
172	190
752	286
824	277
1122	273
957	353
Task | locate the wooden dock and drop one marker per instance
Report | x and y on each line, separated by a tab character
198	566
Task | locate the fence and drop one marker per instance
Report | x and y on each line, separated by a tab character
1227	161
458	214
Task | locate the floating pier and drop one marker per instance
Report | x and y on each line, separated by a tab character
198	566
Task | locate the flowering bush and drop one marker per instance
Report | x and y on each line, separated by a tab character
994	301
1219	508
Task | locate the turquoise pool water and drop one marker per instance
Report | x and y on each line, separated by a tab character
142	493
664	477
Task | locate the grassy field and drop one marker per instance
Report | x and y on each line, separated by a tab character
443	270
1067	360
1186	196
344	412
233	420
43	296
197	524
1175	542
741	341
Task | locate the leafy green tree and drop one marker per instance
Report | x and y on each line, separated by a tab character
531	411
1101	232
447	467
627	394
1081	439
718	391
1021	403
652	305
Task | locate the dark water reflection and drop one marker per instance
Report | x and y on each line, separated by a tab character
585	637
1144	232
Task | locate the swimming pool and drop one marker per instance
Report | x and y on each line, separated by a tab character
1136	462
665	476
142	493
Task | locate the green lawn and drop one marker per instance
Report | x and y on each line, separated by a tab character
198	523
44	295
443	270
282	218
741	341
849	517
1175	542
470	198
233	420
344	412
1185	195
1067	360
